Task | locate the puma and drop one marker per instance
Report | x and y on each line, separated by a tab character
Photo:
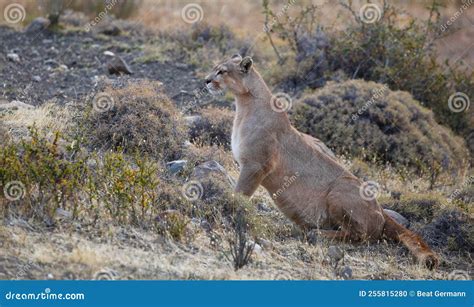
270	150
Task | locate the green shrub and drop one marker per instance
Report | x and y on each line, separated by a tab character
446	227
126	187
203	44
174	224
137	118
401	55
42	175
417	208
218	201
53	176
367	120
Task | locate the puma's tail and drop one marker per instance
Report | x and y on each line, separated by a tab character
412	241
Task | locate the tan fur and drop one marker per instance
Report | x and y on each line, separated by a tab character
270	150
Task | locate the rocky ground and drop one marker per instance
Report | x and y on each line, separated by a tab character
67	66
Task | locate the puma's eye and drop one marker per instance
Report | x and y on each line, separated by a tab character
220	72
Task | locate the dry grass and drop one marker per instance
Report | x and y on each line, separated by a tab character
149	258
47	117
137	118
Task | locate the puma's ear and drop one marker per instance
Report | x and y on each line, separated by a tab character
246	64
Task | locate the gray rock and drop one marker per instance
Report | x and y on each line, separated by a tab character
63	67
266	244
205	225
257	249
192	119
345	272
400	219
312	236
36	78
118	66
51	62
263	207
176	166
335	254
209	168
38	24
13	57
110	29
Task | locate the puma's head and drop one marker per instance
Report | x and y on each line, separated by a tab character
232	74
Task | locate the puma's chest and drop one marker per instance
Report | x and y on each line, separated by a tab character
235	144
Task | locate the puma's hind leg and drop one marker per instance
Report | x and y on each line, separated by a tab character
362	219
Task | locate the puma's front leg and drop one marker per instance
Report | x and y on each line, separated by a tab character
251	175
